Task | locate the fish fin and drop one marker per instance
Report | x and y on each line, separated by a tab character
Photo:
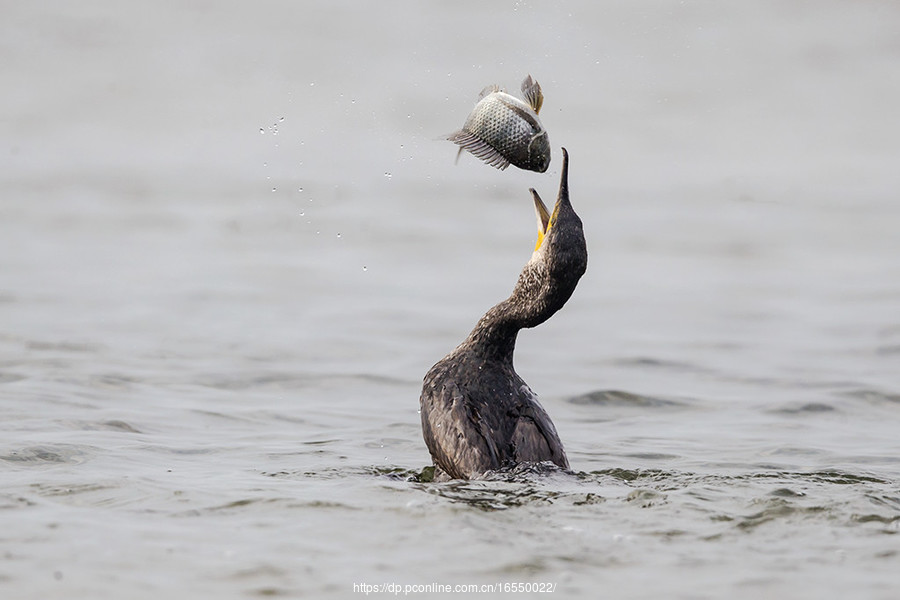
479	148
489	89
531	90
458	154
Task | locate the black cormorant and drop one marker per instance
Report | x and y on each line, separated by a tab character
477	413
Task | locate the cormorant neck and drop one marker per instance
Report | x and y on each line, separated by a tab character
494	337
532	302
544	285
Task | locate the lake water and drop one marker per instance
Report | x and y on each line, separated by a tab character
232	242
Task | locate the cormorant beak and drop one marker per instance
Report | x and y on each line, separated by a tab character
545	220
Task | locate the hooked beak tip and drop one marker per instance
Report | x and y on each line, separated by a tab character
564	177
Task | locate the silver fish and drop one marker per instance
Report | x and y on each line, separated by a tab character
503	130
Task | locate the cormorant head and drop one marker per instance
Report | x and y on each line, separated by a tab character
559	232
560	255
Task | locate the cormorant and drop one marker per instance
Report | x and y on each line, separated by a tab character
478	415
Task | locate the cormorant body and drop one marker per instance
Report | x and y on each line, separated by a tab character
478	415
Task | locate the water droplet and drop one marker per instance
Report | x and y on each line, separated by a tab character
302	213
339	235
365	268
387	174
265	164
318	232
281	119
300	190
262	131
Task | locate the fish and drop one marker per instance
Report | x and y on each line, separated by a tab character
502	130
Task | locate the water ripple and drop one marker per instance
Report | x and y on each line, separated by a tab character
67	454
619	398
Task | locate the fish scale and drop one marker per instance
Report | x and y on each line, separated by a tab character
499	126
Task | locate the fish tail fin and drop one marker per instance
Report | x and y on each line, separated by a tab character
531	90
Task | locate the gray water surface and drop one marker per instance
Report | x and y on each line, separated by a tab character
232	242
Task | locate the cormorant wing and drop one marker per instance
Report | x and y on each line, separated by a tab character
454	432
535	437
